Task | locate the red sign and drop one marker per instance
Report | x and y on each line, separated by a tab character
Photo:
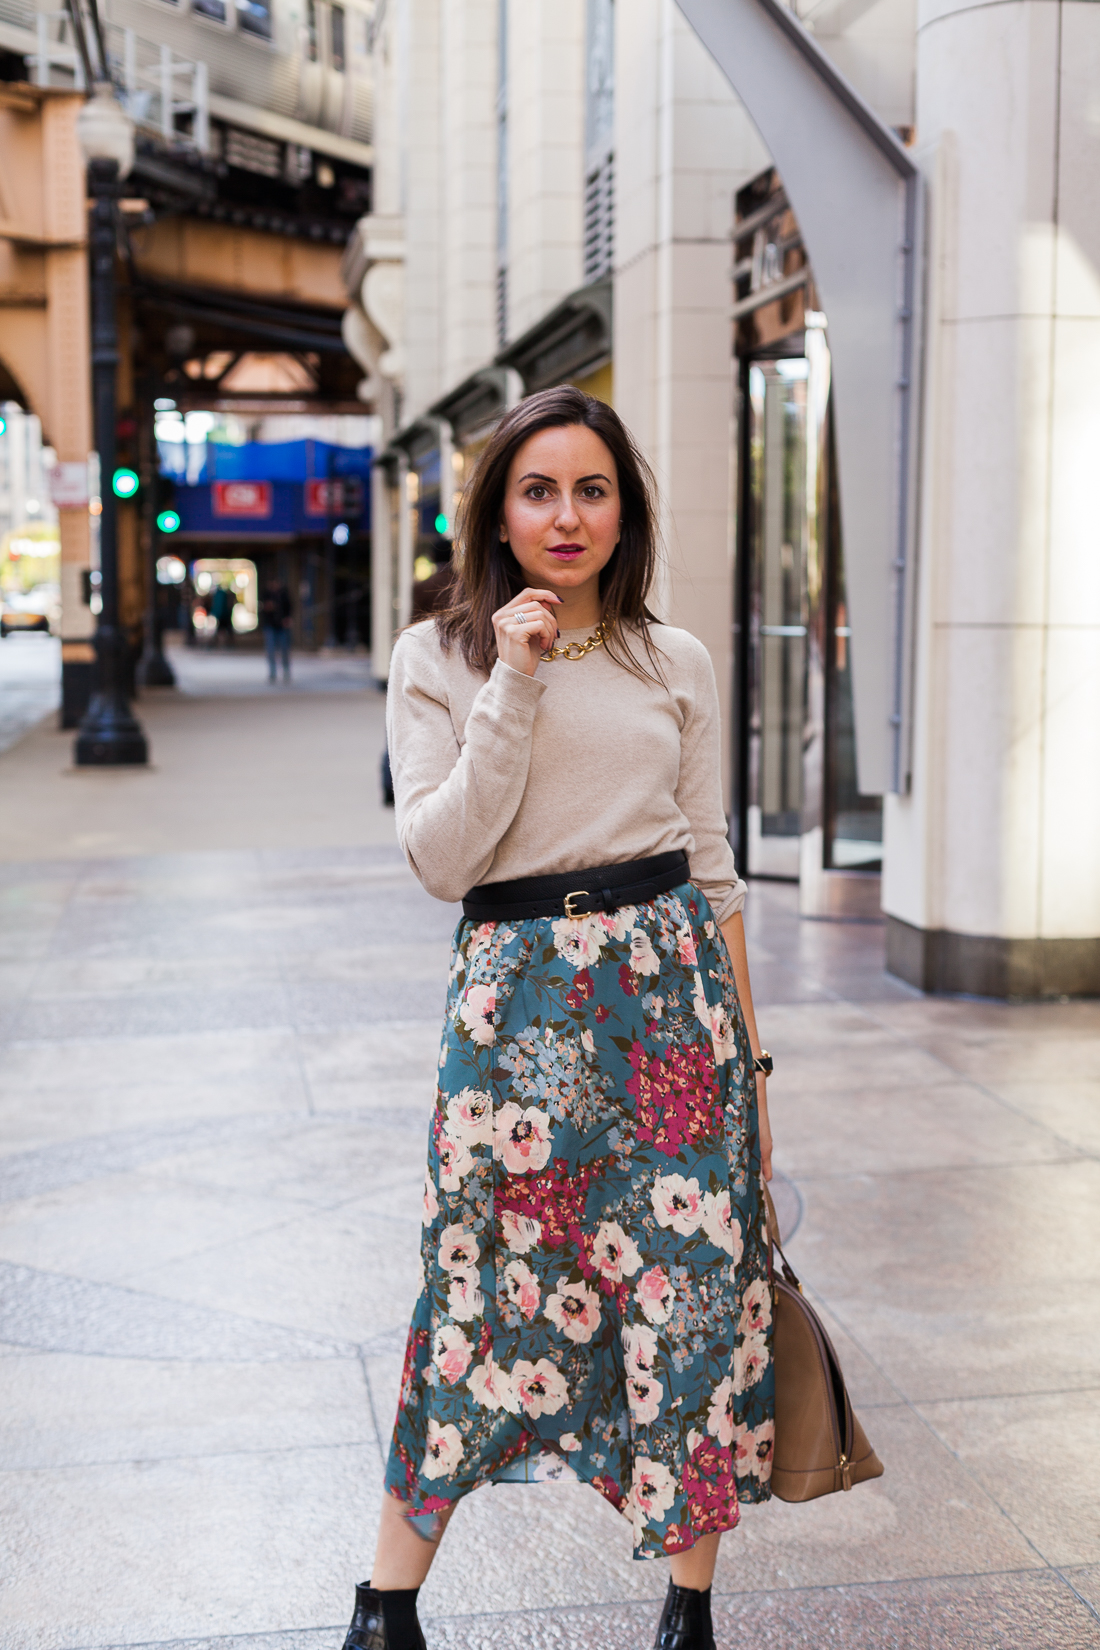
251	499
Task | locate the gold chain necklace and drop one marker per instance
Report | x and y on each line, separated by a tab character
576	650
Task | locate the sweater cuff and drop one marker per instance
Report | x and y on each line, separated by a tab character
730	904
515	691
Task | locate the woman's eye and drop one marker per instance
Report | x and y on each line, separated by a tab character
537	493
594	492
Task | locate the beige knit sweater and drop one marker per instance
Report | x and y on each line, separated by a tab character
581	764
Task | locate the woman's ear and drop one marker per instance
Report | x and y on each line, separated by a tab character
503	533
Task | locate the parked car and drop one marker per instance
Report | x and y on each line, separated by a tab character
23	611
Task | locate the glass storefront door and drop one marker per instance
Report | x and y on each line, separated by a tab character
803	817
777	618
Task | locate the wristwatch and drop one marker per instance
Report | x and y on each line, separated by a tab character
763	1062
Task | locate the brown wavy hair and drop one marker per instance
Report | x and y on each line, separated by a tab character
488	574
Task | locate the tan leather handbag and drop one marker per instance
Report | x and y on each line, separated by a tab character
819	1444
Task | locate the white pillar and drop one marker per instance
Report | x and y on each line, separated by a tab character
468	75
992	873
545	67
683	145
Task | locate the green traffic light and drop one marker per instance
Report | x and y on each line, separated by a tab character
441	523
125	483
168	521
3	423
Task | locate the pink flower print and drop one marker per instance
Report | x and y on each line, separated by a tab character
652	1491
431	1203
655	1294
677	1203
492	1388
588	1042
756	1307
470	1117
444	1451
724	1034
685	946
719	1222
521	1138
569	1441
540	1388
454	1161
750	1360
639	1349
575	1310
458	1249
476	1012
643	958
644	1395
613	1253
519	1232
451	1353
720	1414
755	1450
464	1299
522	1287
578	941
618	923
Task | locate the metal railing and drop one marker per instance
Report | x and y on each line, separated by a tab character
160	91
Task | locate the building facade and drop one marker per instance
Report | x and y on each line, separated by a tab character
576	192
253	162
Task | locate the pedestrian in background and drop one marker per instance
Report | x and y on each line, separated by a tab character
595	1299
275	612
225	600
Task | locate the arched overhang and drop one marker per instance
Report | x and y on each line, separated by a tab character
856	194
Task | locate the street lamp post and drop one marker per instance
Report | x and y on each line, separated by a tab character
110	734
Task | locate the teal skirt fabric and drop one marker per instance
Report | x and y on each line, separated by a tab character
595	1299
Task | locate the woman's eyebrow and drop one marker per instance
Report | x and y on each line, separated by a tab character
533	475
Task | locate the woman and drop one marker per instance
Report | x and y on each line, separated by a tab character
595	1294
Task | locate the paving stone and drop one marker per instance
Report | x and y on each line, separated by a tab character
219	1027
65	1314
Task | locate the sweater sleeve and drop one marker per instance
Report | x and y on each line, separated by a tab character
455	800
699	795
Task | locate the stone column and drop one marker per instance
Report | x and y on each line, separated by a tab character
992	865
67	412
683	145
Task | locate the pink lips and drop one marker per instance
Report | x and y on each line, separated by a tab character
566	552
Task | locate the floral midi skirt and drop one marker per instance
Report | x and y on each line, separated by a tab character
595	1298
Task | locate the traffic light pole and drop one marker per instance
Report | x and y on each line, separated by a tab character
154	669
110	734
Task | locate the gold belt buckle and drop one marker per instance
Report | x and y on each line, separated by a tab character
578	893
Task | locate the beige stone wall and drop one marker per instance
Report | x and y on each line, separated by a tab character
683	145
999	835
545	156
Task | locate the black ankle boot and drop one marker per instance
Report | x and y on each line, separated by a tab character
685	1621
368	1622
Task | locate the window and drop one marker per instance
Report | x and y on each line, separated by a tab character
599	137
336	37
214	9
254	17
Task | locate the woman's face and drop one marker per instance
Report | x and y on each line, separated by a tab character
562	510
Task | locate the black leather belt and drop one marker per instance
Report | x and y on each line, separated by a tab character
578	893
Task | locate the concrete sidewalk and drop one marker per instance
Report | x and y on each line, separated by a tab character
220	1004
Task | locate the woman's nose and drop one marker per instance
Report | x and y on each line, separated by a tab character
567	515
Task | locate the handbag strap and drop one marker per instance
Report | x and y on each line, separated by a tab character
771	1224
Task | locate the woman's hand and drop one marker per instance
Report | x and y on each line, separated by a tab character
526	628
765	1125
